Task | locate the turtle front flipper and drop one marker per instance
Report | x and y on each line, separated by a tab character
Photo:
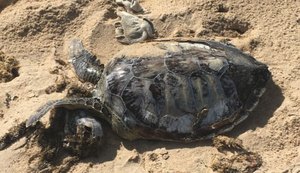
87	67
132	6
69	103
132	29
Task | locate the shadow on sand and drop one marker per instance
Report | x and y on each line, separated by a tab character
5	3
268	104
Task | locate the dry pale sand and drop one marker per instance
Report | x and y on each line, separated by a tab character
37	33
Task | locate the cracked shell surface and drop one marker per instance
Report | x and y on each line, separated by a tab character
180	90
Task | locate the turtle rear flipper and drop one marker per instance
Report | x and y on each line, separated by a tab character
70	103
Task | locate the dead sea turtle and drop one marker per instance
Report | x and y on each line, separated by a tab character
164	90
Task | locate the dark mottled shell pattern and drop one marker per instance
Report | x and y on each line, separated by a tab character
180	90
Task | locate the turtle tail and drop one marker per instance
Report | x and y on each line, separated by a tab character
69	103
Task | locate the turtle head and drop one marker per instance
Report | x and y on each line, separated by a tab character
82	132
86	65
